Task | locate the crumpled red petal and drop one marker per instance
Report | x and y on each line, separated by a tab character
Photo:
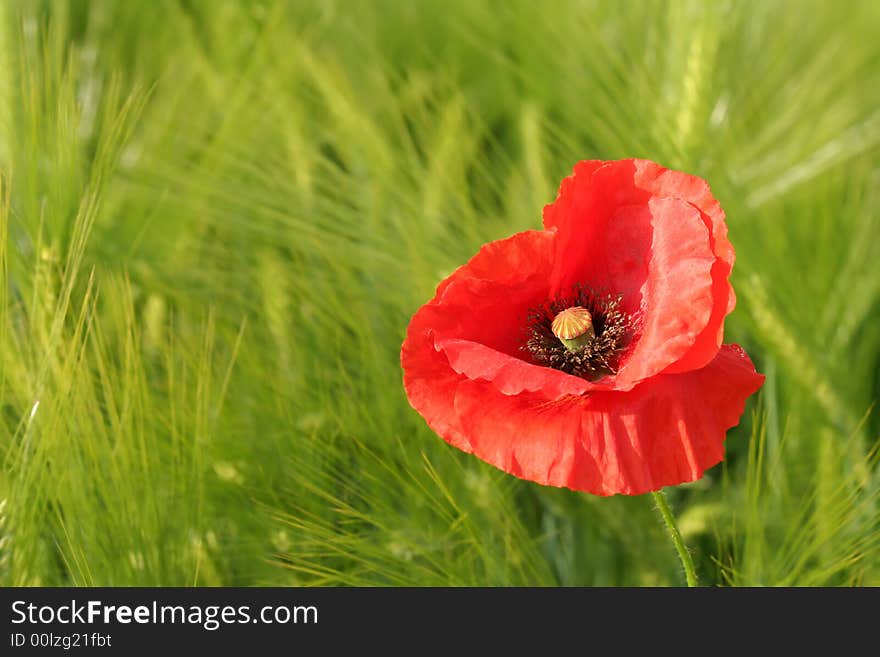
676	293
479	314
607	239
664	432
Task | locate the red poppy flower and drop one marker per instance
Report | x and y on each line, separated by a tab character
589	354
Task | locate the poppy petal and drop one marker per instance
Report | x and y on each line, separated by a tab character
666	431
511	376
606	239
676	184
478	316
676	295
486	300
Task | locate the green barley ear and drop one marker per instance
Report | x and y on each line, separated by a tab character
4	543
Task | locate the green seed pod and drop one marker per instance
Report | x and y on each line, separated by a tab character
574	327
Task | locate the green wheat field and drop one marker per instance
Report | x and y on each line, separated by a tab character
217	218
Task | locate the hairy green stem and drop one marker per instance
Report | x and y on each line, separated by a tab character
690	572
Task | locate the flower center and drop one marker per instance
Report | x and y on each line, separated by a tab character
584	333
574	327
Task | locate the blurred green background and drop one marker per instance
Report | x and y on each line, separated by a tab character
218	217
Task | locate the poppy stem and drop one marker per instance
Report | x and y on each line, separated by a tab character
687	562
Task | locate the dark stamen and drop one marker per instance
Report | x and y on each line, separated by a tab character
601	355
